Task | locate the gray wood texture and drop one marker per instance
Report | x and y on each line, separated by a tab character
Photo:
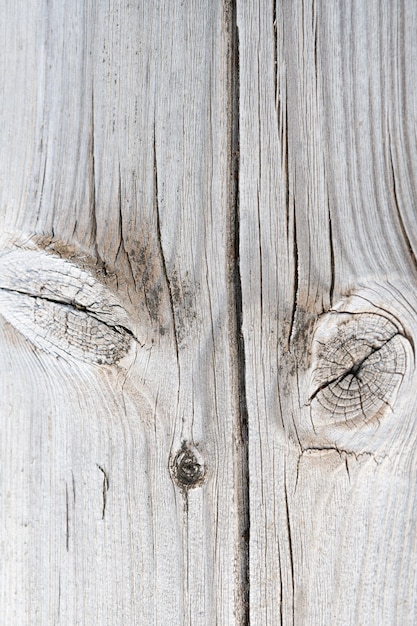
328	225
115	165
208	244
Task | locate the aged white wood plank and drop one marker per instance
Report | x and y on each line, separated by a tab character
120	482
328	241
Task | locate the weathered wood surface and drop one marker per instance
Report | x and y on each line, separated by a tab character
127	395
116	149
328	224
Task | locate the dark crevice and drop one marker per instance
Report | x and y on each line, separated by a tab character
295	297
122	247
92	181
342	452
281	591
290	547
160	248
105	489
284	135
165	270
331	289
347	467
236	325
73	487
42	186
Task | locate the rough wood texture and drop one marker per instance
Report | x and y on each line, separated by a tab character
120	451
208	238
328	231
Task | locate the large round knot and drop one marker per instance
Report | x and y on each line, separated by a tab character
359	363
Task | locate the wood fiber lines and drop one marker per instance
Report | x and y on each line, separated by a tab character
327	154
121	449
208	313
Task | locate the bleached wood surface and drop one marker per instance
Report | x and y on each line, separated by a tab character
328	224
115	164
126	394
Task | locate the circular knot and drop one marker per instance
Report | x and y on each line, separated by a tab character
359	363
188	467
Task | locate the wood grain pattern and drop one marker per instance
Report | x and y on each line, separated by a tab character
208	320
327	107
116	167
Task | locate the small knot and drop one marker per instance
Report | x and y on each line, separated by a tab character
188	467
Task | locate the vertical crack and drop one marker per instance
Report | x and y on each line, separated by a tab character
241	460
332	271
92	180
92	177
160	247
290	545
104	490
296	282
